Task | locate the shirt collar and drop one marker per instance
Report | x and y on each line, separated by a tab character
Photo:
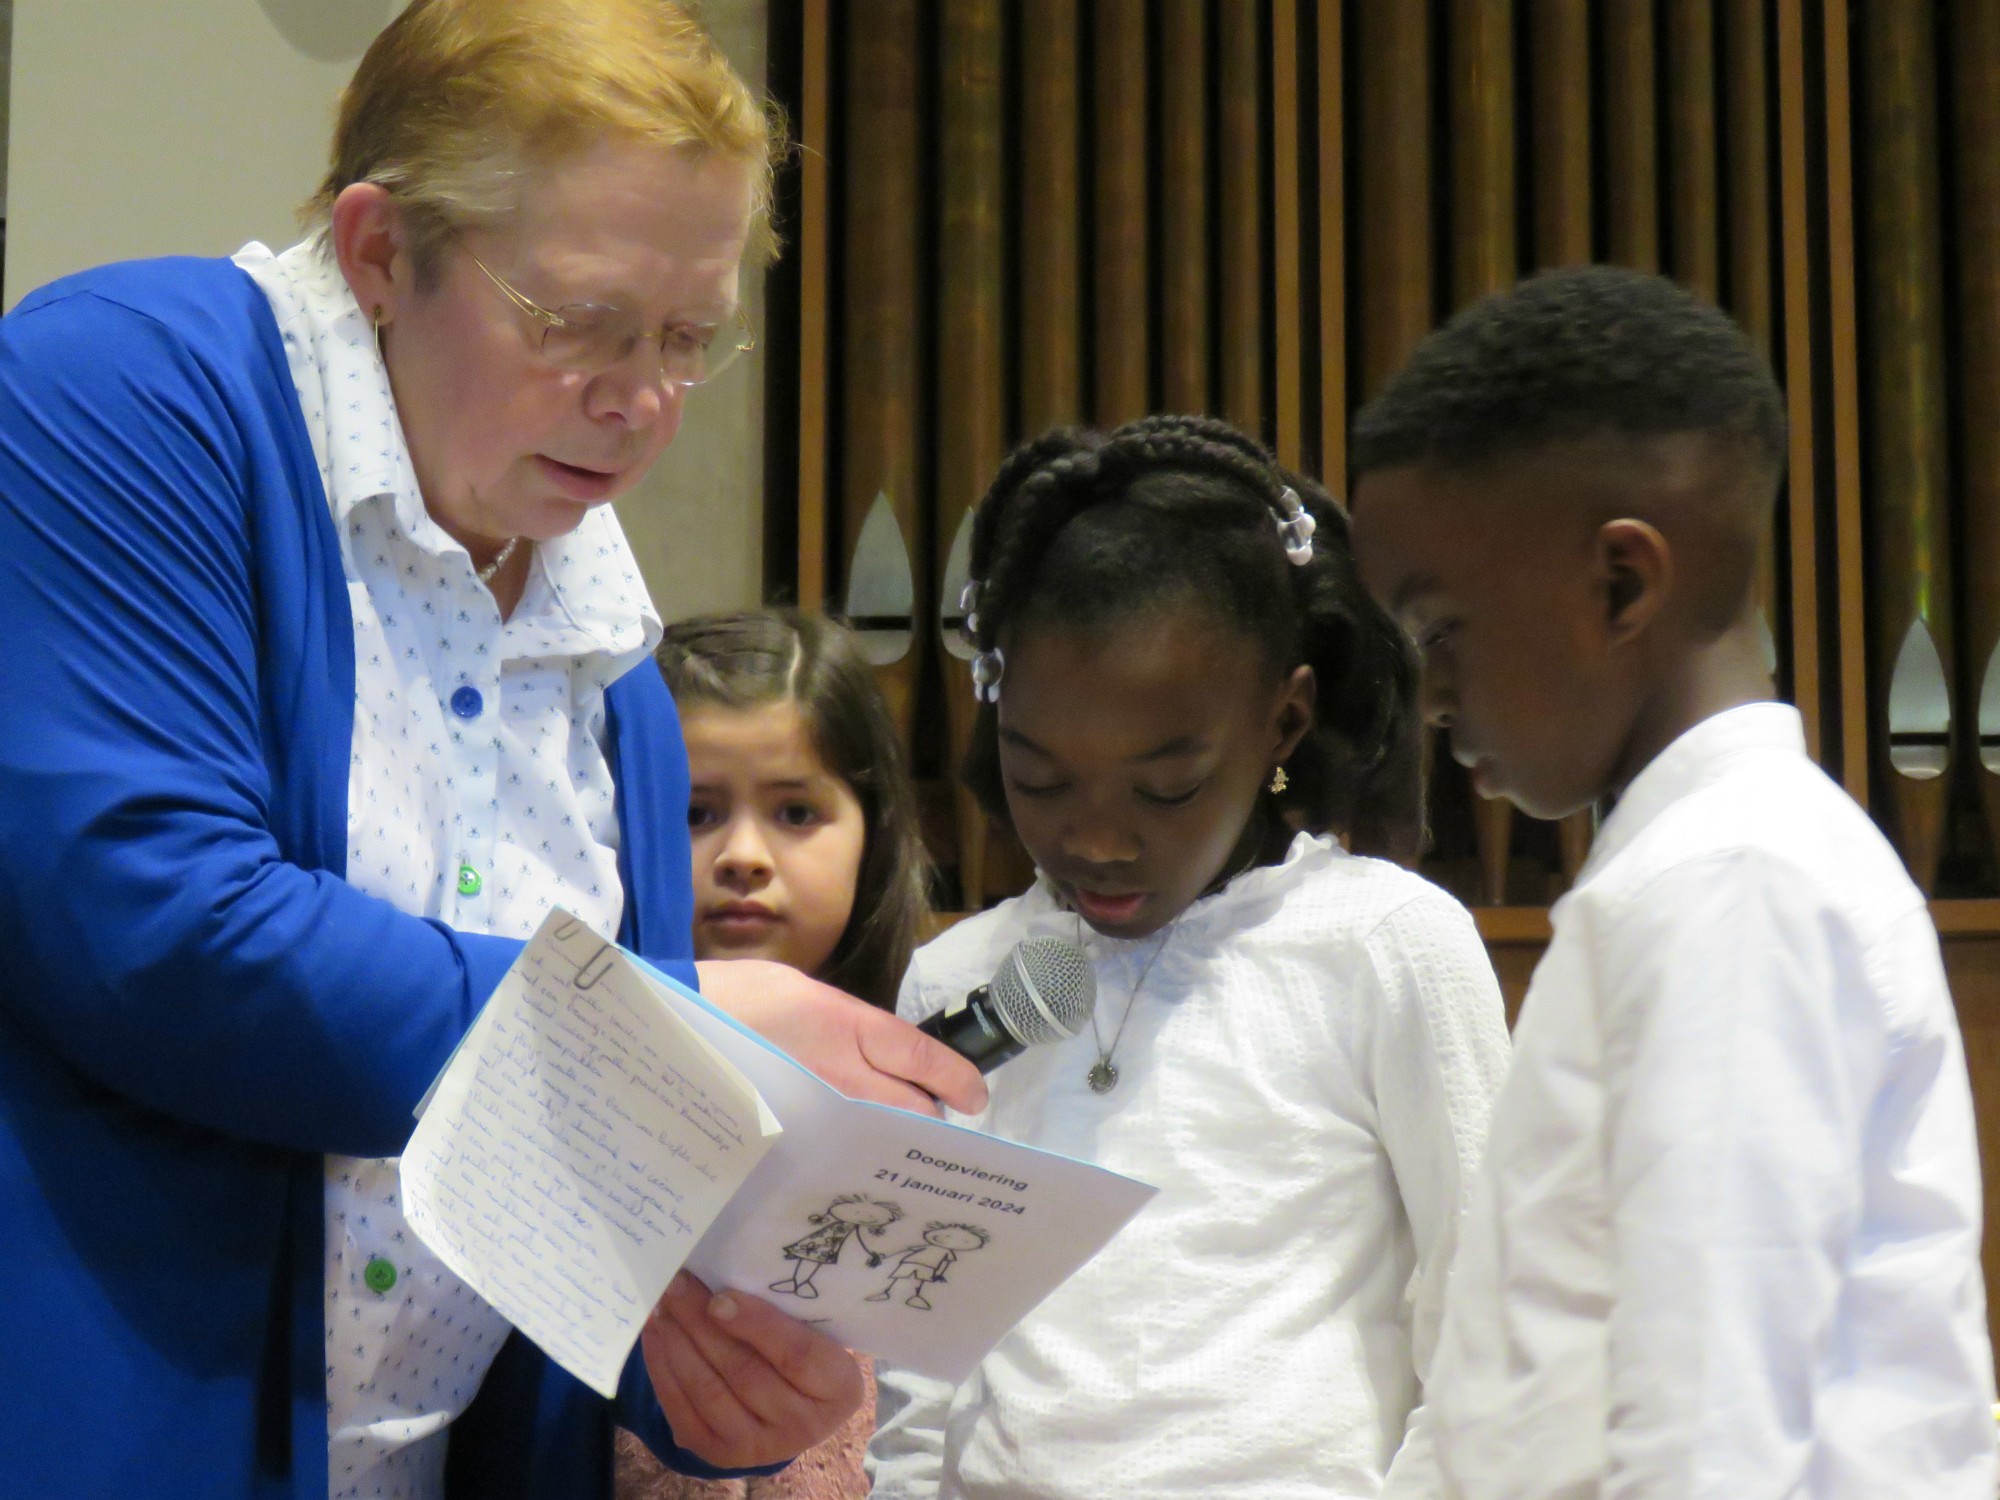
330	346
1697	757
596	604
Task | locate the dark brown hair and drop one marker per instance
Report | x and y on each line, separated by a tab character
1083	527
761	656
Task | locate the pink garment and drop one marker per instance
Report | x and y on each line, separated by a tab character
831	1471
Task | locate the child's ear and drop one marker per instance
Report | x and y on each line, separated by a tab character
1295	710
1635	569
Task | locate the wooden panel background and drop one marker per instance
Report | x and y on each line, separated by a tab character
1014	213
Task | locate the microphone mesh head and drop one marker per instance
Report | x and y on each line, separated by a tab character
1045	990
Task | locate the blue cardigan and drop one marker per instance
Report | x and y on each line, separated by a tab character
194	1004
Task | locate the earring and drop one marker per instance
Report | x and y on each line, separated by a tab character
1279	781
378	336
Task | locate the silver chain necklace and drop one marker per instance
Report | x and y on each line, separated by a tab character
1103	1074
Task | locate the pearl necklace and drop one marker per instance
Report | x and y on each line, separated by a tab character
485	574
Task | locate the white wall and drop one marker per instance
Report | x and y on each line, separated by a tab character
184	127
156	127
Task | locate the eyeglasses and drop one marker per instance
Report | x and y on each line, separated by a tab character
591	338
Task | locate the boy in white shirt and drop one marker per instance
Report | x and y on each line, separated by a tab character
1726	1239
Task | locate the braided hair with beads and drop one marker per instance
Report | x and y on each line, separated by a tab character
1081	528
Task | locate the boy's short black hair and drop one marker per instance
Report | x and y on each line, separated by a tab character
1586	352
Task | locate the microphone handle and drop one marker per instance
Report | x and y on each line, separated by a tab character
974	1032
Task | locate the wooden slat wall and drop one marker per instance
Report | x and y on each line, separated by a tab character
1746	255
1631	134
1559	112
1746	188
1803	471
1119	256
1910	583
1694	251
1048	143
1330	102
1243	203
1224	205
1393	238
882	326
1184	224
1287	188
1842	421
815	221
1975	49
972	425
1233	205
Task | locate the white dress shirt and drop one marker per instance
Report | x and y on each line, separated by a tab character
1726	1242
1305	1073
478	795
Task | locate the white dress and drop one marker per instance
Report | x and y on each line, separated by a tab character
1306	1075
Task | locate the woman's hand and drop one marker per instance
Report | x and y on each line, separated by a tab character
742	1384
864	1052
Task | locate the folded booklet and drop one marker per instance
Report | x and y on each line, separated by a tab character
600	1126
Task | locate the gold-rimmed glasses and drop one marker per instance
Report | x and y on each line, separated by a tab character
591	338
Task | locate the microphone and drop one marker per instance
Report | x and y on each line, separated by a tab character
1044	991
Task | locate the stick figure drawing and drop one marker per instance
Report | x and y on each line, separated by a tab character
924	1264
851	1216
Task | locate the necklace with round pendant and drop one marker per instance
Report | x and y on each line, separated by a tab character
1103	1074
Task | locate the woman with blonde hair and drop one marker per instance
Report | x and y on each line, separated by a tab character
327	677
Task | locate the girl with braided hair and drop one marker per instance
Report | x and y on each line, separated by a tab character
1188	702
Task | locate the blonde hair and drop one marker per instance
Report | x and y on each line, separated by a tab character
458	102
